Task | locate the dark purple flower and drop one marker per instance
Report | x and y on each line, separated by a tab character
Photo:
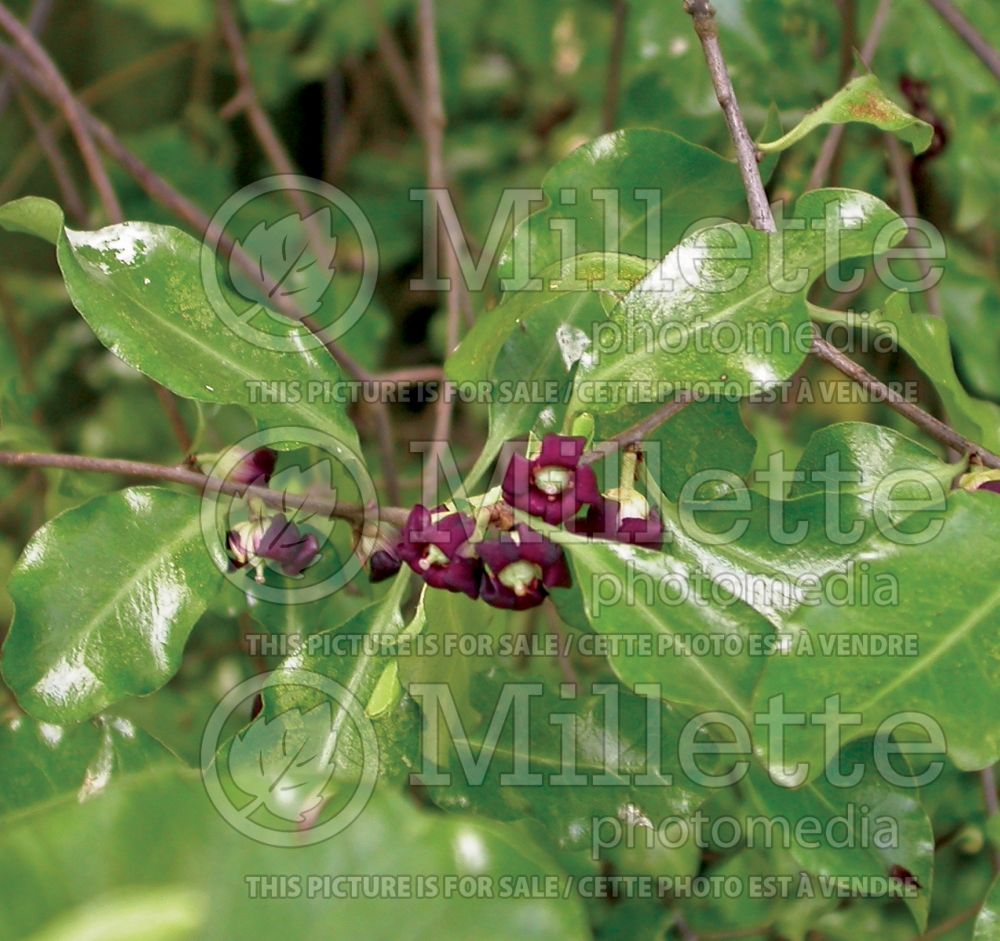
253	467
520	569
440	552
278	539
904	876
992	485
553	485
383	564
623	518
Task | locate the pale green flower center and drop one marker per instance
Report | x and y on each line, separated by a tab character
520	577
552	480
433	556
632	505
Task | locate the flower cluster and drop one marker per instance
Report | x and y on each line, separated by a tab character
510	565
263	537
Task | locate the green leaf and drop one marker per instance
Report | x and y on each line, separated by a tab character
566	289
649	598
651	175
161	914
40	762
772	551
444	618
139	287
593	757
988	920
721	313
707	435
105	597
69	855
864	100
185	16
851	847
947	597
282	250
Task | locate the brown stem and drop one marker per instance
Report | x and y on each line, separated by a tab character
396	66
165	194
988	780
64	99
703	15
93	94
900	165
68	189
168	402
639	430
616	61
263	129
38	18
969	34
319	504
279	158
437	181
926	422
949	924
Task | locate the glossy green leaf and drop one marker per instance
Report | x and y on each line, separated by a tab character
605	754
300	725
69	855
726	310
863	100
988	920
139	287
41	762
105	596
774	551
650	599
863	830
655	185
947	599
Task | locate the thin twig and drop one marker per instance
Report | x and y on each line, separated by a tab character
950	924
880	392
410	375
168	402
38	18
848	37
616	61
639	430
64	99
988	780
703	15
278	499
261	125
755	189
900	165
61	172
437	182
834	137
403	82
98	91
969	34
